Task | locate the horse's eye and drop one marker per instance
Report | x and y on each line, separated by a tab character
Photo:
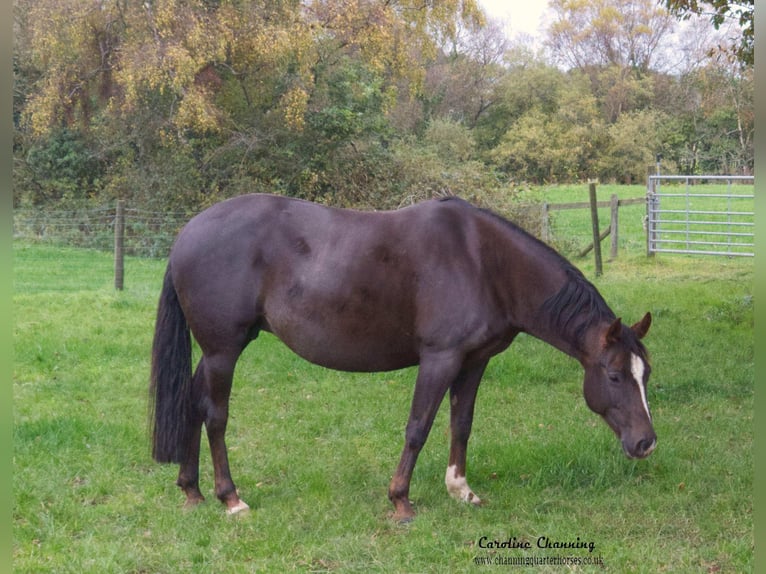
614	377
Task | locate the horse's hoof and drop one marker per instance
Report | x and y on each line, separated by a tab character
404	517
241	506
194	502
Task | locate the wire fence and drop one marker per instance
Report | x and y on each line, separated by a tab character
146	233
149	233
140	232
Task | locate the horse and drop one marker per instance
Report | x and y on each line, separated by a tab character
441	284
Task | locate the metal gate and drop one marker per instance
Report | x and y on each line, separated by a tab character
705	215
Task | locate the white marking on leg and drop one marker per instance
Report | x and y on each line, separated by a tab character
237	508
637	368
458	487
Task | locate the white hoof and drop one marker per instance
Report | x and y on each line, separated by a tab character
458	487
237	508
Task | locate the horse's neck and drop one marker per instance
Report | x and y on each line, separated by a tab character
576	328
583	349
539	276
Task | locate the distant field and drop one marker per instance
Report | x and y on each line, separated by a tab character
571	229
312	450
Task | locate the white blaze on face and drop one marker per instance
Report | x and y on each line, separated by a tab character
637	368
458	487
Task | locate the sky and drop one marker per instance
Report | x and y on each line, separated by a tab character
519	17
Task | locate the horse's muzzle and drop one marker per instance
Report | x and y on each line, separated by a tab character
642	449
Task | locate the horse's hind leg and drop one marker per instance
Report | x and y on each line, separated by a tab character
188	473
218	375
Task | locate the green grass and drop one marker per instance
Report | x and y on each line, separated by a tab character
312	450
571	229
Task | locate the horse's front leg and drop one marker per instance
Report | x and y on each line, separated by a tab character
462	401
434	378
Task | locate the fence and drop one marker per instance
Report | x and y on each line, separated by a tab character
141	232
144	233
704	215
614	204
126	230
123	230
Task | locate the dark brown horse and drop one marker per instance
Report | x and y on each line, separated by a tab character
442	284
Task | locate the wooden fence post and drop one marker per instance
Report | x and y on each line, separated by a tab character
119	246
614	225
594	221
546	223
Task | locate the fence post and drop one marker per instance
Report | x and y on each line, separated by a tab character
614	224
119	245
546	223
594	221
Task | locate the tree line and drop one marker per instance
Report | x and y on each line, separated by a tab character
368	103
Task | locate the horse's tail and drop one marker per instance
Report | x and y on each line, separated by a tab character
170	390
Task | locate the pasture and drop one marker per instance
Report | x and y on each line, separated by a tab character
313	450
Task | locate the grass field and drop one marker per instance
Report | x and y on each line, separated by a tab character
312	450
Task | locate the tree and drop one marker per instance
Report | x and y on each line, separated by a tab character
73	46
721	12
59	169
251	87
528	83
554	133
620	90
357	102
602	33
618	43
461	82
724	119
633	142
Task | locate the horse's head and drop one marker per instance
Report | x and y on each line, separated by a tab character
615	386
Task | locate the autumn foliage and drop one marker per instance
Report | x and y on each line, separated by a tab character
179	103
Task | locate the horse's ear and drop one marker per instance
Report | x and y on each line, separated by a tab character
642	327
614	332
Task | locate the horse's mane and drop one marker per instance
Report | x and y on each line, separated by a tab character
576	307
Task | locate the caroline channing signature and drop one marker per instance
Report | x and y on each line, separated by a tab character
543	542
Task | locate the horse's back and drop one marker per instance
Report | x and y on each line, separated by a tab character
287	230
